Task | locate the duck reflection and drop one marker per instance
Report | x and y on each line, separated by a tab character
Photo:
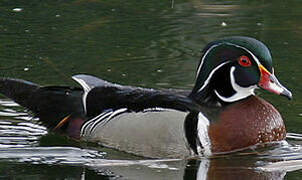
193	169
227	169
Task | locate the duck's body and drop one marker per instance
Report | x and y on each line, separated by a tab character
150	133
220	115
158	132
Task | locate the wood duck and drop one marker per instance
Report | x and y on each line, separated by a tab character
220	115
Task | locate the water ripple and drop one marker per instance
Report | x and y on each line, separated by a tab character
50	155
8	103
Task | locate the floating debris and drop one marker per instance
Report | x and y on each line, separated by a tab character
17	9
259	24
159	70
58	15
223	24
26	69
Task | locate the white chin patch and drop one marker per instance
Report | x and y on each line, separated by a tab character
241	92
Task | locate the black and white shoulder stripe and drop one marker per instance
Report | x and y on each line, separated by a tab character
89	126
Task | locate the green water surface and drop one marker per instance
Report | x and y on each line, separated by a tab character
153	44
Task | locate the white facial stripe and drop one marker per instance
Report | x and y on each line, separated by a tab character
211	74
240	91
203	58
254	57
203	136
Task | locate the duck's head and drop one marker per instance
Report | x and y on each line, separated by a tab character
231	69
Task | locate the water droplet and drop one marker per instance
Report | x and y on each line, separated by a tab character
223	24
17	9
173	169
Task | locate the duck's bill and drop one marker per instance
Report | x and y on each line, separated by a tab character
270	83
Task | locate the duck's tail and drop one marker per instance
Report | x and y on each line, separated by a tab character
51	104
18	90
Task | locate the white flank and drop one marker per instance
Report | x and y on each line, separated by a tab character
240	91
203	135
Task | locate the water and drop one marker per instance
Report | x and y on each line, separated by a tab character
146	44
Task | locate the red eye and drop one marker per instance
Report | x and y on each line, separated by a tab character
244	61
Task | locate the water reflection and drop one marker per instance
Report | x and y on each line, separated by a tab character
145	44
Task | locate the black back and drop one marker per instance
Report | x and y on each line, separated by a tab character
136	99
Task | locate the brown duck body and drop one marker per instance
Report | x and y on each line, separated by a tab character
245	123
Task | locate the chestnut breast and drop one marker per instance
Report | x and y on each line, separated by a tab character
246	123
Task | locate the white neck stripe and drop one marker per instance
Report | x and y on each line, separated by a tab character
241	92
203	135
